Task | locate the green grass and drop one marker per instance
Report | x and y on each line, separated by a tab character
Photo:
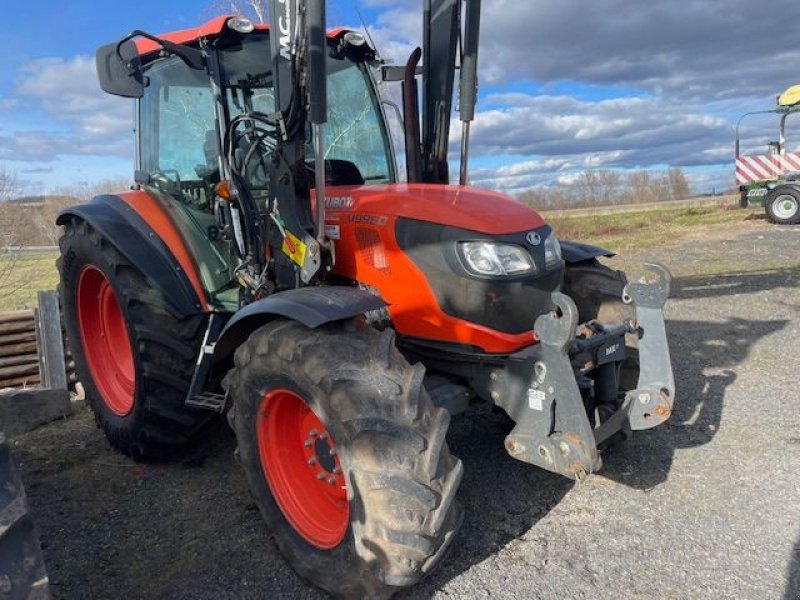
32	271
624	231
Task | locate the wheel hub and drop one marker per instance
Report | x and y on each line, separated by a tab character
302	468
324	453
785	206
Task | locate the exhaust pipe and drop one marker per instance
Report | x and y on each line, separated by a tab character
411	119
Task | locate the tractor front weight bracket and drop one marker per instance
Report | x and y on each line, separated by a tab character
539	388
541	394
651	403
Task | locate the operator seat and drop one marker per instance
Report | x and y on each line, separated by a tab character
339	172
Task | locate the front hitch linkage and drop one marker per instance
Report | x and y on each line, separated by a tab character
552	427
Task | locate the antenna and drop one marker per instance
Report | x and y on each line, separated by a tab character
366	29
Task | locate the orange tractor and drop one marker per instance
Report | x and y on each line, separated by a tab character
270	266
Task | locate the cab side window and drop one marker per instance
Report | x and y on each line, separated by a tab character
176	116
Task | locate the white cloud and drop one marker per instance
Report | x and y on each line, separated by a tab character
82	119
45	146
625	132
697	49
68	91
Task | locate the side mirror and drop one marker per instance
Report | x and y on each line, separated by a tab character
119	68
120	73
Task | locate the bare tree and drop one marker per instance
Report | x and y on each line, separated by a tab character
604	186
640	187
11	234
678	184
600	186
550	197
43	219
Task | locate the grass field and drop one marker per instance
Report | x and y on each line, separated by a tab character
32	271
618	232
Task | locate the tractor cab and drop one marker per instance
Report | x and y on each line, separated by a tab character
199	125
187	117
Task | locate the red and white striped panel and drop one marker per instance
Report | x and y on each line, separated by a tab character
765	167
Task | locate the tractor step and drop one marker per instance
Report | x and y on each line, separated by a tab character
208	401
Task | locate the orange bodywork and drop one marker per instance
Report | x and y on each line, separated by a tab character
364	220
210	28
156	216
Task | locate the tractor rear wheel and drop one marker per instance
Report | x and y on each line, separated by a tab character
345	455
597	292
783	205
134	358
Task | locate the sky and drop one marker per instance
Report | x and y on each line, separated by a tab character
564	86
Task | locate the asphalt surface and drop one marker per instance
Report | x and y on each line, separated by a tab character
707	506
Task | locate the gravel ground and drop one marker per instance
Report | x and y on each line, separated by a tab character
706	506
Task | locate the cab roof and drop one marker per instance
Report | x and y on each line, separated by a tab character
210	28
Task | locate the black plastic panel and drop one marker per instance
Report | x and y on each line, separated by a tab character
506	304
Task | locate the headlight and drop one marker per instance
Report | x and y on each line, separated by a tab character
552	251
489	258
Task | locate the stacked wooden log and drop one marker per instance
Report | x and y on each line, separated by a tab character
19	353
19	359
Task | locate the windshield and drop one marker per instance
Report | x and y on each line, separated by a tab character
355	131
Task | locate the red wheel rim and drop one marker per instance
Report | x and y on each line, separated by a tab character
301	466
105	341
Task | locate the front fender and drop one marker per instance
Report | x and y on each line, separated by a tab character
311	306
575	252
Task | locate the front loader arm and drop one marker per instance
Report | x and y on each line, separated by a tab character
289	181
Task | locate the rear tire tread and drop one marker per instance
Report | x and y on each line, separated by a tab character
163	345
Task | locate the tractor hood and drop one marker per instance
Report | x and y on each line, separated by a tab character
457	206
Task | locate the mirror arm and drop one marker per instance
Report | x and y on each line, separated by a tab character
193	58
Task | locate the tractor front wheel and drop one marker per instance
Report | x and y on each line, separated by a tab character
345	455
597	291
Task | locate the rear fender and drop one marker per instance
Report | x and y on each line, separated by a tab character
311	306
145	248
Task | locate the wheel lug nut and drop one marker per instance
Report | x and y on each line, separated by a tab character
307	443
331	480
321	475
337	469
323	435
312	432
312	461
332	451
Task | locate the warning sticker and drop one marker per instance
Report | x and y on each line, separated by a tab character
294	248
332	232
535	398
